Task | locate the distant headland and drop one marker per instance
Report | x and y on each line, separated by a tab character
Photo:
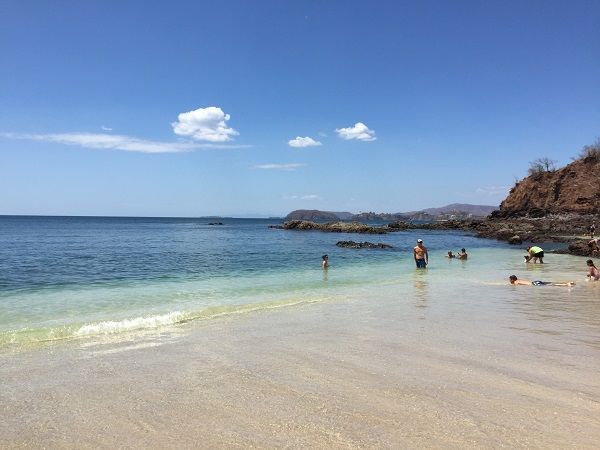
455	211
549	205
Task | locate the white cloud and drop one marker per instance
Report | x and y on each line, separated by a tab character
359	131
205	124
115	142
302	197
493	190
303	142
279	166
106	128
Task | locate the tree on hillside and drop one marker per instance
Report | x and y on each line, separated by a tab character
591	151
541	165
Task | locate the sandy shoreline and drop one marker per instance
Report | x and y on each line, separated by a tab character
380	373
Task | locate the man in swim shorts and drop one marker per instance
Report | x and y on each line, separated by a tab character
513	280
535	253
421	255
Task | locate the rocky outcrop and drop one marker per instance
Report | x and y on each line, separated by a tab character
352	244
333	227
514	231
573	189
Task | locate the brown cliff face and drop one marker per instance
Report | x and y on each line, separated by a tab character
574	189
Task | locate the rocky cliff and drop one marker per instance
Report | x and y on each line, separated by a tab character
574	189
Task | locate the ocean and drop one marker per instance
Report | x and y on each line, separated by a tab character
178	333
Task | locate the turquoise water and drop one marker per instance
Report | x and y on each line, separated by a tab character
72	277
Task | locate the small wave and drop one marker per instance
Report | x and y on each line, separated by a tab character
138	323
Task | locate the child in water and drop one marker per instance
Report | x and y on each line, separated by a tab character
594	272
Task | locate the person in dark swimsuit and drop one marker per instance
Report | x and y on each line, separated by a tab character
513	280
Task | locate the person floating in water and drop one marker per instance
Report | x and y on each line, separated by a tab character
450	255
513	280
462	254
534	254
421	255
325	263
594	272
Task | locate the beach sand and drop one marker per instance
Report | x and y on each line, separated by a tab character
391	368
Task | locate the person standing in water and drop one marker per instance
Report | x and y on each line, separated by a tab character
325	263
462	254
421	255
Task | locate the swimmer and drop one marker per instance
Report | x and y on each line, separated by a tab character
462	254
513	280
451	255
325	263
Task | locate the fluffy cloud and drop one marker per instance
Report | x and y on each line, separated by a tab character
205	124
279	166
359	131
113	142
303	142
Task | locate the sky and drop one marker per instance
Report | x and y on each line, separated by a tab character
257	108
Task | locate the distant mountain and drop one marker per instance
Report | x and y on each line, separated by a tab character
311	214
345	215
475	210
453	211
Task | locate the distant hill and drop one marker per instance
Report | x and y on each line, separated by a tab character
453	211
311	214
475	210
344	215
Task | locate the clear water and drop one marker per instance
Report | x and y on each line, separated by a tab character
172	333
66	277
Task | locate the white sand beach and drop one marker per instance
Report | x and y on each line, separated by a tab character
378	372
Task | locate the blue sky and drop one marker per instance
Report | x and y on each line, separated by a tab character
257	108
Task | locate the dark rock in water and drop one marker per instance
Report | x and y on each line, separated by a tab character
401	225
216	223
279	227
352	244
515	240
581	248
333	227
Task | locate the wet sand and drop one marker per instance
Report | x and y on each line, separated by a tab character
398	369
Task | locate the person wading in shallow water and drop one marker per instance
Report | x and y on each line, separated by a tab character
421	255
325	263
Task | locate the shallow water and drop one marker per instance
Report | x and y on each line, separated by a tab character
370	353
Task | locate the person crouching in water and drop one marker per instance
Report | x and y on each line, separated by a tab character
594	272
534	254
